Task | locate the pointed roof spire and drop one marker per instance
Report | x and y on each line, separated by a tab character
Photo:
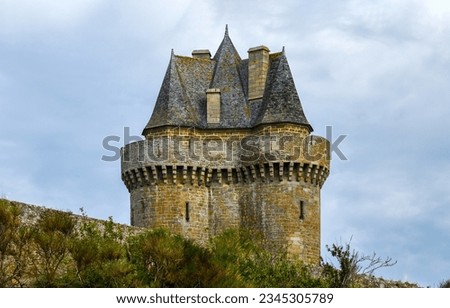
167	110
227	78
226	46
281	102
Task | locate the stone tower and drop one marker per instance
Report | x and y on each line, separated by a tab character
227	146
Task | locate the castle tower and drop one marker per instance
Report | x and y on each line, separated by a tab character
228	146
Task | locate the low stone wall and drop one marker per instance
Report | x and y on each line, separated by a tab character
377	282
30	213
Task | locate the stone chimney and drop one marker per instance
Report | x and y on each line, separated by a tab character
258	65
201	54
213	106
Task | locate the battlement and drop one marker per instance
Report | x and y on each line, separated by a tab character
223	149
204	157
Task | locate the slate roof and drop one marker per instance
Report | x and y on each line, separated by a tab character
182	97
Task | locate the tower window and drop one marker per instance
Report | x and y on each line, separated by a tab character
302	210
187	216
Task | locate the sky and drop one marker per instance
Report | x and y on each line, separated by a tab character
378	72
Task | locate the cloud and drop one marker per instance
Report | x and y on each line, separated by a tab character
143	19
25	17
436	8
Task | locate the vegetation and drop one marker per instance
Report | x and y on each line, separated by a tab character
351	265
58	249
12	242
445	284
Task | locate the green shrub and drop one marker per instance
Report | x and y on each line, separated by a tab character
13	237
99	256
245	256
166	260
51	237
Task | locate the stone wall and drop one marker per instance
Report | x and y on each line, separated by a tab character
166	205
30	213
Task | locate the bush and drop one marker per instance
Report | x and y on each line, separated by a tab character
13	238
166	260
246	259
51	238
99	257
351	264
445	284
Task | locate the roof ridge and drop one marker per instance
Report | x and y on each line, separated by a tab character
193	58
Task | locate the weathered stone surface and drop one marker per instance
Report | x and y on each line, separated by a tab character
30	214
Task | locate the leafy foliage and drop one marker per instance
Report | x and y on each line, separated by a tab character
58	249
12	241
51	237
245	256
99	256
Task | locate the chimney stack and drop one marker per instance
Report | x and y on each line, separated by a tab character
213	106
258	65
201	54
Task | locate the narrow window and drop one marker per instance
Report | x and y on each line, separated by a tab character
187	212
302	210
